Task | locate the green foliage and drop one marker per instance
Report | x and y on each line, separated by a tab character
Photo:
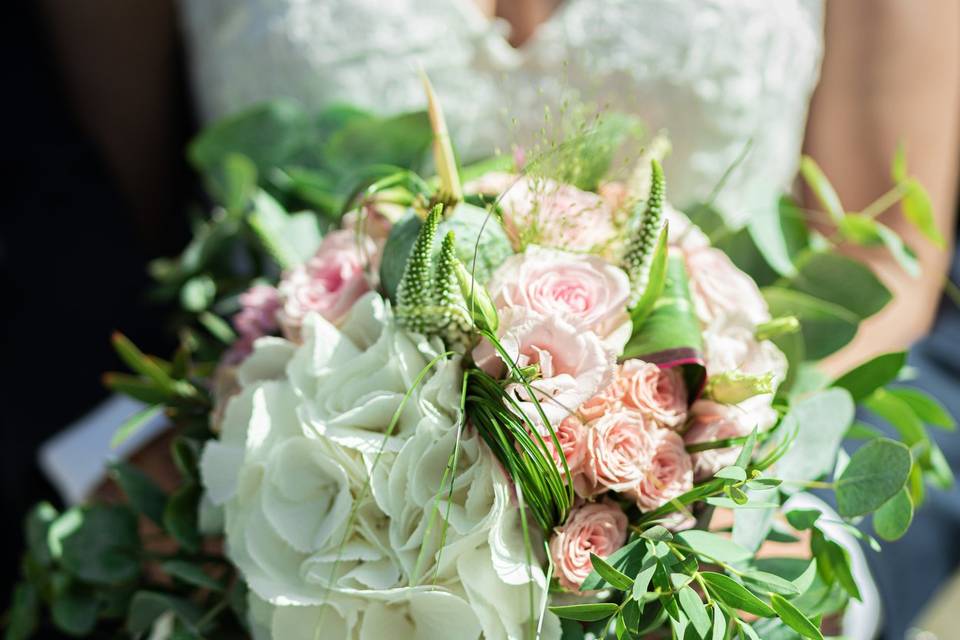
894	516
655	282
646	229
869	376
875	473
814	450
821	188
670	336
142	492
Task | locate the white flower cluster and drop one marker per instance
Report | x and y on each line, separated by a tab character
343	530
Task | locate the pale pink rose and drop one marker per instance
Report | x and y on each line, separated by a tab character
545	212
729	344
607	400
713	421
585	290
669	473
614	194
718	287
659	394
620	447
573	364
329	283
572	436
683	234
599	528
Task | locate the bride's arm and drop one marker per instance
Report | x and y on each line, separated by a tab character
891	73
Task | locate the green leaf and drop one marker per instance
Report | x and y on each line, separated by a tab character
794	617
98	544
235	182
737	474
657	533
918	211
746	452
734	594
876	472
628	560
713	546
656	281
671	333
142	492
586	612
820	421
899	414
180	516
147	606
769	583
192	574
270	222
825	327
893	518
871	375
36	531
900	251
616	579
696	612
141	363
747	631
73	608
134	424
642	581
719	625
802	519
142	389
843	281
860	229
821	187
926	407
24	612
269	134
898	166
777	236
833	563
198	293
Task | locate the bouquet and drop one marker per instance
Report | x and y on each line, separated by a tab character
504	402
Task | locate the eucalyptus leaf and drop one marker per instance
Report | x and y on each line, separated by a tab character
845	282
98	544
876	472
918	211
73	607
893	518
192	574
821	187
180	516
821	421
147	606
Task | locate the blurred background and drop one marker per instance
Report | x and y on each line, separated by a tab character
96	183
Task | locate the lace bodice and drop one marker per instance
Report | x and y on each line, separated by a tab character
715	74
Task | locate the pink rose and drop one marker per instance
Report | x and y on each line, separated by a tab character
730	345
599	528
713	421
669	473
719	287
585	290
541	211
659	394
329	283
620	447
607	400
572	364
257	317
572	436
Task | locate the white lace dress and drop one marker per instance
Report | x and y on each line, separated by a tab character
715	74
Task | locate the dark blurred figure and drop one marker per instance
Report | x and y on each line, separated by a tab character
73	246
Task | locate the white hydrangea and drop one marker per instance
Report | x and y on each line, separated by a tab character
337	525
